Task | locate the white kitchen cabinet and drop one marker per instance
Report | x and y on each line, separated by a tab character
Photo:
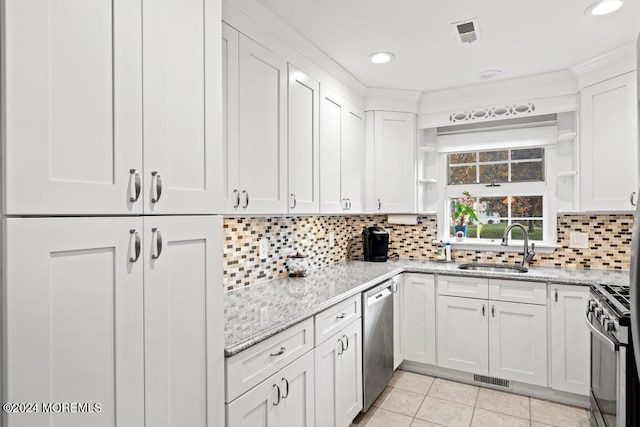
419	318
341	155
490	331
518	342
182	108
286	399
398	321
80	328
609	143
339	377
75	128
570	339
394	162
304	143
255	126
463	334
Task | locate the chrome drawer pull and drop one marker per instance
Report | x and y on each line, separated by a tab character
137	246
280	353
342	316
137	185
284	396
237	203
279	395
158	243
347	347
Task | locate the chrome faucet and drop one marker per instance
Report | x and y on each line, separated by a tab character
528	255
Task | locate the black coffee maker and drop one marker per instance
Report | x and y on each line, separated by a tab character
375	242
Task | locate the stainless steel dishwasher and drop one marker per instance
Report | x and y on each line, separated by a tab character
377	340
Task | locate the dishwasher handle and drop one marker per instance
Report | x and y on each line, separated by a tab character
379	296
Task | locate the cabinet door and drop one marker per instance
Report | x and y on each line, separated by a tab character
570	339
419	321
230	124
183	321
262	129
72	106
353	159
73	331
258	407
297	407
394	164
463	343
518	342
182	106
304	143
608	142
328	381
398	321
351	374
331	135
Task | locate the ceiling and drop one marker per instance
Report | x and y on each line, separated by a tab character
519	37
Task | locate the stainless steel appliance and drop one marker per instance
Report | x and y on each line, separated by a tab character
635	247
377	364
615	389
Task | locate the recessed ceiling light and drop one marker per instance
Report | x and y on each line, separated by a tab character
381	57
603	7
488	74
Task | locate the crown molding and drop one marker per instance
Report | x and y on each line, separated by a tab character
620	54
392	100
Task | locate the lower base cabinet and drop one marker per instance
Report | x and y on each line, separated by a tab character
286	399
419	318
339	377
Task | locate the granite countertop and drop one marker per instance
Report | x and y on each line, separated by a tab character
255	313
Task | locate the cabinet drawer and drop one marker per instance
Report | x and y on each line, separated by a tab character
257	363
470	287
337	317
518	291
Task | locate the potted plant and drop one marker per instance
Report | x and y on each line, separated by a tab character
463	214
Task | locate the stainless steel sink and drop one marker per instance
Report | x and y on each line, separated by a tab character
493	268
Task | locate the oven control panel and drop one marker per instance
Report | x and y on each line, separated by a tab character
600	312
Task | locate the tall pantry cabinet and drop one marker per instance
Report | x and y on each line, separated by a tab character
111	115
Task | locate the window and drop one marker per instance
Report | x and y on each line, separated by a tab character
509	175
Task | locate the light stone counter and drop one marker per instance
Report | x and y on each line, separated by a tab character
255	313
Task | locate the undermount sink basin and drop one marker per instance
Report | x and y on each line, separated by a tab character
493	268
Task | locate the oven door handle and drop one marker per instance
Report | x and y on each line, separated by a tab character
613	346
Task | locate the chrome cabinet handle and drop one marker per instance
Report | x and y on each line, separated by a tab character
246	199
137	246
482	310
379	204
632	197
295	202
493	311
284	396
137	185
556	295
342	316
237	194
279	395
158	180
344	200
158	249
280	353
349	204
394	286
341	349
347	347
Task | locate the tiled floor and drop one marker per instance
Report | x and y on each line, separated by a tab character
422	401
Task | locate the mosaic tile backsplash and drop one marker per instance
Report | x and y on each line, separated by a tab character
609	243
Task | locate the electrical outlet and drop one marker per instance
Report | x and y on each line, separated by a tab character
578	240
264	248
332	239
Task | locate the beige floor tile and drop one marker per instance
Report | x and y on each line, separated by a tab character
445	412
382	396
422	423
537	424
401	401
411	382
484	418
378	417
556	414
454	392
504	403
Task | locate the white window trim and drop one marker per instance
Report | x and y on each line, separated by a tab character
546	188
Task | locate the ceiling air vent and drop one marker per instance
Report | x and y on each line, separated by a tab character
467	31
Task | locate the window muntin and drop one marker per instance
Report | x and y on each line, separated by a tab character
496	166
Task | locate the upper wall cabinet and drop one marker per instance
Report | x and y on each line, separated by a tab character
304	143
341	155
255	126
394	162
74	124
609	144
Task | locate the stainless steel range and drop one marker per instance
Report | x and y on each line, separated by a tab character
615	390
